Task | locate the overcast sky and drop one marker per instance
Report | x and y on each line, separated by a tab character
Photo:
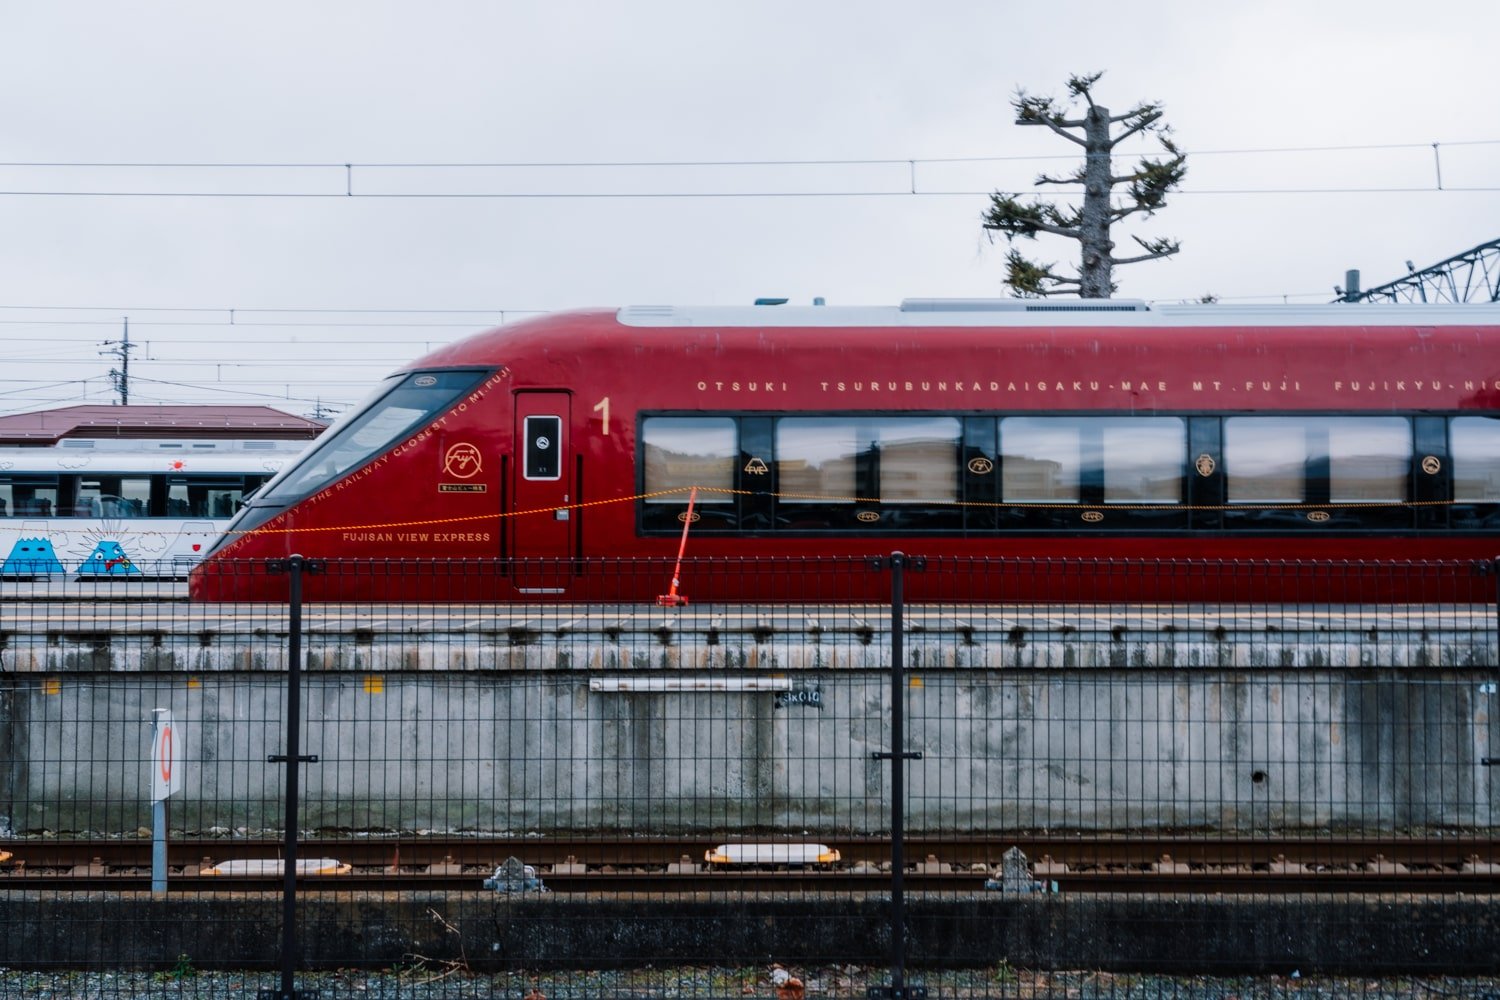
102	104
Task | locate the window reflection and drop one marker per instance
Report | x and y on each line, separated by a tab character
915	459
1265	459
815	459
1143	459
1139	458
202	497
682	452
918	459
1268	459
113	496
1369	459
1475	445
1040	459
361	435
28	496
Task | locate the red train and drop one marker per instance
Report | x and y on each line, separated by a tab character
941	427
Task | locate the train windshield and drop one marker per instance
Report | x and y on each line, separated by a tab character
408	404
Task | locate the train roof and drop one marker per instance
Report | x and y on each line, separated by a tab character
99	422
1129	313
118	455
558	339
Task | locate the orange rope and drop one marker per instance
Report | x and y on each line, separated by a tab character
814	497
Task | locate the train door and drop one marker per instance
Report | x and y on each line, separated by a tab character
541	525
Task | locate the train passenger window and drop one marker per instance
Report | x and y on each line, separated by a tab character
1369	459
1273	460
918	458
1041	459
815	460
1265	459
112	496
28	496
1143	459
1474	443
682	452
199	496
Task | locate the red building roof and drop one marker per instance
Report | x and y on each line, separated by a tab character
44	427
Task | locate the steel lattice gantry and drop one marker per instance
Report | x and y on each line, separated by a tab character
1472	276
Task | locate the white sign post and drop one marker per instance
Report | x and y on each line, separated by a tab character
166	779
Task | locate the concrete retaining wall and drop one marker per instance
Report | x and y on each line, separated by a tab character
516	752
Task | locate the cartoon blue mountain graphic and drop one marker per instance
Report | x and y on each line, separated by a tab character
108	559
31	557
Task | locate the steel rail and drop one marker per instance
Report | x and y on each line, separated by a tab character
955	864
783	882
1093	850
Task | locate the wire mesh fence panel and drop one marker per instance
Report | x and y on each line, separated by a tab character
605	778
1230	785
605	791
134	766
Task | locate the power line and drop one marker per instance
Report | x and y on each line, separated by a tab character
383	310
617	164
710	195
346	186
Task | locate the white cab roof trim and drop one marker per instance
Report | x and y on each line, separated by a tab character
1072	312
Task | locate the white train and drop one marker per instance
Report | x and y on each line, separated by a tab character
125	507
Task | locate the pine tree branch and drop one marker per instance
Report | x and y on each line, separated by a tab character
1144	123
1155	250
1120	261
1026	278
1031	229
1117	213
1081	85
1058	125
1077	177
1009	215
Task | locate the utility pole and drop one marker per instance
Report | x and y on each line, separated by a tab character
120	377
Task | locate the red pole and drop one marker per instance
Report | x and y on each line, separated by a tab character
671	598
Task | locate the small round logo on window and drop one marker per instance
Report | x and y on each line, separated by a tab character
1431	465
1205	465
868	516
1092	516
462	461
981	466
687	519
423	381
1318	516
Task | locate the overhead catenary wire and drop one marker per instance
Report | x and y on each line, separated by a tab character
368	320
827	161
343	184
707	195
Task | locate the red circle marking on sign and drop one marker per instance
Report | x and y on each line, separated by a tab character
166	755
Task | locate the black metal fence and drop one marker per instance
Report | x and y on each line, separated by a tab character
886	777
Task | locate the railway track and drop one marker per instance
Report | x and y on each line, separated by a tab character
1165	864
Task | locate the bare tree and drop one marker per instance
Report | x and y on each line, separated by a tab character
1146	189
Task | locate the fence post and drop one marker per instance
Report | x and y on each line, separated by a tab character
898	990
1491	567
295	566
